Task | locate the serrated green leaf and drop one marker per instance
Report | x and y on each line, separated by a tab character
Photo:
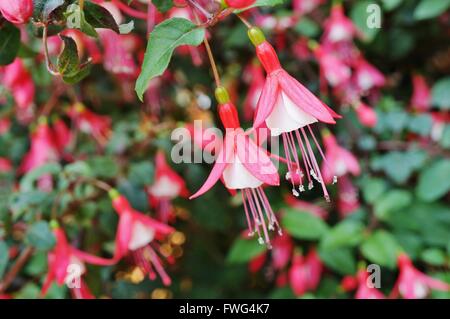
243	250
9	43
303	225
163	40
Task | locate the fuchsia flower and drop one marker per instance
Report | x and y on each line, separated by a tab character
364	291
367	76
413	284
331	67
337	27
238	4
421	97
288	109
366	115
348	199
117	59
283	246
61	258
42	150
137	236
305	273
302	7
99	126
339	161
305	206
5	125
63	135
16	11
254	76
168	186
19	82
5	165
242	164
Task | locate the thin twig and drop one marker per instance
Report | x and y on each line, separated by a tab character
15	269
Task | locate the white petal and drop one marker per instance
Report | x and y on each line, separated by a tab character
165	187
236	176
140	236
287	117
339	33
340	168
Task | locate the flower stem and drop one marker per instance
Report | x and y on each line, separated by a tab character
15	269
81	4
48	62
244	21
213	63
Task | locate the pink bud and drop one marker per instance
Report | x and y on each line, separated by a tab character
366	115
16	11
239	4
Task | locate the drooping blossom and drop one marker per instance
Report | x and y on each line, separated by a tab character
138	236
333	69
254	76
288	109
16	11
305	272
366	115
367	76
337	27
348	199
63	137
360	283
305	206
18	81
99	126
168	185
412	283
283	246
421	97
60	262
239	4
243	165
339	161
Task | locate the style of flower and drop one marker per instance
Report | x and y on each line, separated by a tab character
62	257
288	109
168	186
412	283
243	165
138	236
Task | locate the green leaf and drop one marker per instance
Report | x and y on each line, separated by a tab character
68	63
163	40
163	5
303	225
99	17
263	3
360	16
307	27
390	5
341	260
421	124
441	93
393	201
4	257
243	250
103	166
142	173
79	75
373	188
433	256
40	236
9	43
430	8
381	248
434	181
44	8
345	234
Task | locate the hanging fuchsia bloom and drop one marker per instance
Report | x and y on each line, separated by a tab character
302	7
348	199
99	126
338	28
366	115
288	109
61	258
137	236
283	246
339	161
421	97
413	284
305	206
238	4
5	125
367	76
19	83
42	150
305	272
168	186
364	291
16	11
63	135
242	164
332	68
116	58
314	267
254	76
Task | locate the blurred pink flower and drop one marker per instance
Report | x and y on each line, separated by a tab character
337	27
421	97
366	115
367	76
16	11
